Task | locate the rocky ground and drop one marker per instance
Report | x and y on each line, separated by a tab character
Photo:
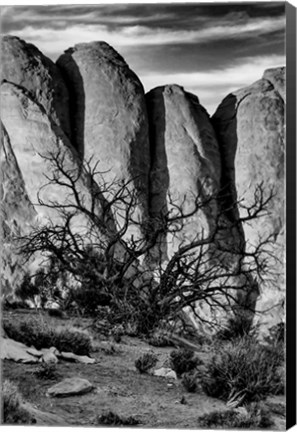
156	402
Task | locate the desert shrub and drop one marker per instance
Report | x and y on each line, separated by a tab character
183	360
13	411
38	333
189	381
73	340
244	365
252	416
46	371
111	419
145	362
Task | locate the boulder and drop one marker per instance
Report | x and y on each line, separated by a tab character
16	351
70	387
185	159
250	128
109	114
165	372
25	66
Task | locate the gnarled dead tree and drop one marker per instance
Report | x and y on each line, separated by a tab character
106	255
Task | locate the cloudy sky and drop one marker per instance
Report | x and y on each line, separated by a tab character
209	49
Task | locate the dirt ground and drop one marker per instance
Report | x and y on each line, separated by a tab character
119	387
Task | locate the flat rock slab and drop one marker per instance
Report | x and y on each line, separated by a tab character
16	351
76	358
70	387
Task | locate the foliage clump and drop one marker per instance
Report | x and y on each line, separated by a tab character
189	381
38	333
244	367
13	411
46	371
253	416
145	362
183	360
112	419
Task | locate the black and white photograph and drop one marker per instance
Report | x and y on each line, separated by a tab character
143	207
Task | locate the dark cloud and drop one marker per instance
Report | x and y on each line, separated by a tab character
164	39
167	16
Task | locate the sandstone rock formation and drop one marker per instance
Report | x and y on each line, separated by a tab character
185	159
109	116
37	142
250	128
17	213
25	66
91	107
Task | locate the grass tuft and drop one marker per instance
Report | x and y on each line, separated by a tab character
145	362
244	367
46	371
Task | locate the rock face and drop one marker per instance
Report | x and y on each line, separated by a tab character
37	143
250	129
109	116
162	148
32	143
25	66
185	159
17	212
